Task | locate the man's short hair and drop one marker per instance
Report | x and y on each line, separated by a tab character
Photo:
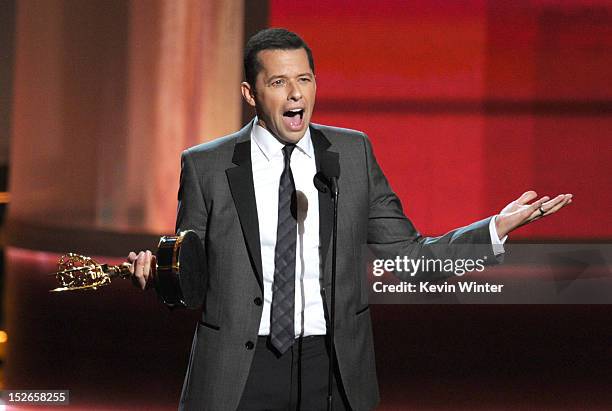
271	39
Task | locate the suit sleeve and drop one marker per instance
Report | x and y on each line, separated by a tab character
192	215
392	234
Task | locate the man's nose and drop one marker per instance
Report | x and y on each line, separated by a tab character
295	93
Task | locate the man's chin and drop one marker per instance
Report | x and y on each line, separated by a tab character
293	136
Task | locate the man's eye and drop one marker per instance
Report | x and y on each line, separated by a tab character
304	79
278	83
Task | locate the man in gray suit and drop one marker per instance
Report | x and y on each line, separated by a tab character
265	230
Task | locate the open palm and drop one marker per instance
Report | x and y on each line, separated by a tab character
524	210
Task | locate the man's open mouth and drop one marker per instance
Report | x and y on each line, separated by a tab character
293	118
294	112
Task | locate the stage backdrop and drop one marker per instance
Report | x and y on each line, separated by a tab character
469	104
107	94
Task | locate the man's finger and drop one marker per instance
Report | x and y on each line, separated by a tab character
555	206
139	270
535	206
547	206
533	211
551	203
533	216
147	266
526	197
130	259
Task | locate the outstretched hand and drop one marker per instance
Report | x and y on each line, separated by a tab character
523	211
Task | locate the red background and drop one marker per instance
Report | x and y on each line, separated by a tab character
469	104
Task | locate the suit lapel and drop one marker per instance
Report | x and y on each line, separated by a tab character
240	179
326	208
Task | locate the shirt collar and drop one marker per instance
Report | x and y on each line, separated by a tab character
270	146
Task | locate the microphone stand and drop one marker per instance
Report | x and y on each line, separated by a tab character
332	311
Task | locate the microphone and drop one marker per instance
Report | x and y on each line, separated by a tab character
321	182
327	177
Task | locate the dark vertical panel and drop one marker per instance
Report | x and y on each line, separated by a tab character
7	56
256	17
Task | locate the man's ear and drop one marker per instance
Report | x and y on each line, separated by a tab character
248	93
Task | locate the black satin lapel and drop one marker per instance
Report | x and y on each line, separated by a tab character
240	180
326	206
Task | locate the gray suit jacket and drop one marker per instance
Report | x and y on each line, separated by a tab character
217	200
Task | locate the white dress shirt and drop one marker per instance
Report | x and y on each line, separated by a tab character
268	163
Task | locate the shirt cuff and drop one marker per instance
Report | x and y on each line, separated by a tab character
498	245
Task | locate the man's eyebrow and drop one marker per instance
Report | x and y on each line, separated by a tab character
284	76
276	76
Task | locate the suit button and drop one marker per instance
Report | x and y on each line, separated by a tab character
258	301
249	345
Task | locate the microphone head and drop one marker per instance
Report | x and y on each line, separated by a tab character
320	182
